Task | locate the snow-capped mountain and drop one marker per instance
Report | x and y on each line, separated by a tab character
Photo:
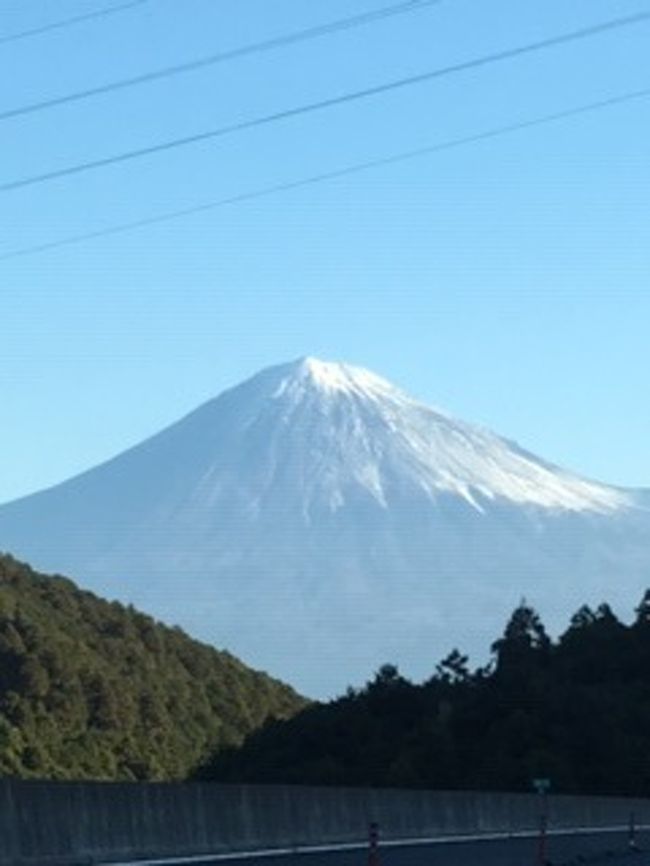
318	521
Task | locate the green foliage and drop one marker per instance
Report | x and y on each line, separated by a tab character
94	690
576	711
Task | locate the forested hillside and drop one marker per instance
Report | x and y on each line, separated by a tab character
576	710
95	690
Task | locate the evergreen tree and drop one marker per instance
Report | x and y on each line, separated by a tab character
576	711
92	690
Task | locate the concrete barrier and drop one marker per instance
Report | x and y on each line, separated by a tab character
48	823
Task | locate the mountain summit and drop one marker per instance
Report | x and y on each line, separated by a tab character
319	521
366	436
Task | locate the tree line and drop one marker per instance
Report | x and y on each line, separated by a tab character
91	689
575	710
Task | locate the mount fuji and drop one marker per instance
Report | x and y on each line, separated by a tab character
318	521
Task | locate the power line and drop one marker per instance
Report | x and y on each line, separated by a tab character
327	103
68	22
356	168
223	57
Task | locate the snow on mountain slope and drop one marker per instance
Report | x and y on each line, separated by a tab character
319	521
387	438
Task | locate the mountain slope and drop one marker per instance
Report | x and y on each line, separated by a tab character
94	690
318	506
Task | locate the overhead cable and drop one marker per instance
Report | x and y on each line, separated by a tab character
222	57
68	22
356	168
342	99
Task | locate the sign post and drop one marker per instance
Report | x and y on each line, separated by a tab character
542	787
632	833
373	844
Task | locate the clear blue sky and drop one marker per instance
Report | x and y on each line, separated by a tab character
507	281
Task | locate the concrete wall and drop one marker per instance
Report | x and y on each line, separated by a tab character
68	823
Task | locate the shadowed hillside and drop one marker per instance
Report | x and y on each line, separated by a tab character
576	711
